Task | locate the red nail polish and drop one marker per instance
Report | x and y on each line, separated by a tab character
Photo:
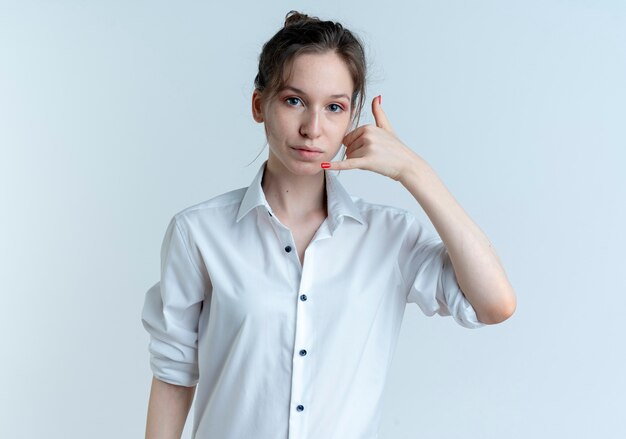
380	99
325	165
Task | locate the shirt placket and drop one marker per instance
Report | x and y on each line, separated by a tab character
301	280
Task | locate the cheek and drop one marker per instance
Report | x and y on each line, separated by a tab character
277	126
272	129
342	129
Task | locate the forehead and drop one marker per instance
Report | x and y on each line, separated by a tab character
319	74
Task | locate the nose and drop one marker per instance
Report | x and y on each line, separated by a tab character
311	124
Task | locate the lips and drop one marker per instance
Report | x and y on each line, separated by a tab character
307	148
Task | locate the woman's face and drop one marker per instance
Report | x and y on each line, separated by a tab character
311	111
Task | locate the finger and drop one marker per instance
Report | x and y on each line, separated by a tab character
379	115
354	147
344	164
353	135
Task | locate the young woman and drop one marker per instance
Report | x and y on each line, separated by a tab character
281	302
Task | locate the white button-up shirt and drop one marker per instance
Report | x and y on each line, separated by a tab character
284	350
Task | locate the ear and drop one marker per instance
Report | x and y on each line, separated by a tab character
257	108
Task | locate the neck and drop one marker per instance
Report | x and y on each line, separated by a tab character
296	197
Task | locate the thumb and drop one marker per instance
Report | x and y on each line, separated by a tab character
379	114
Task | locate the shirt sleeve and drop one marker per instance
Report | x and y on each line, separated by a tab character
172	309
429	277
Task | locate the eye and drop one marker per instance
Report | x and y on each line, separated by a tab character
292	98
340	108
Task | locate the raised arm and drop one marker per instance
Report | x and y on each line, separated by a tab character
478	269
477	266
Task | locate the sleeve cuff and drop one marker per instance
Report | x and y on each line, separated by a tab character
459	307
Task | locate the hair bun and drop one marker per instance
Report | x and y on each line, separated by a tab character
295	17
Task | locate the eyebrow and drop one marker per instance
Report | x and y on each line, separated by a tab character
297	90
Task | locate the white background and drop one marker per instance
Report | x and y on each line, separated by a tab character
115	115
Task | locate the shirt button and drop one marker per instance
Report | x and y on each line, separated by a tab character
300	408
288	248
303	352
303	297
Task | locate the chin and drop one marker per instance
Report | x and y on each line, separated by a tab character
299	166
303	167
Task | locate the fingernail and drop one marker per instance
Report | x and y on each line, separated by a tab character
325	165
380	99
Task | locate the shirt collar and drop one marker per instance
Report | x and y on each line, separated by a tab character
339	200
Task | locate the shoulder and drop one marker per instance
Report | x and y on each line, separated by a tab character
222	205
383	214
